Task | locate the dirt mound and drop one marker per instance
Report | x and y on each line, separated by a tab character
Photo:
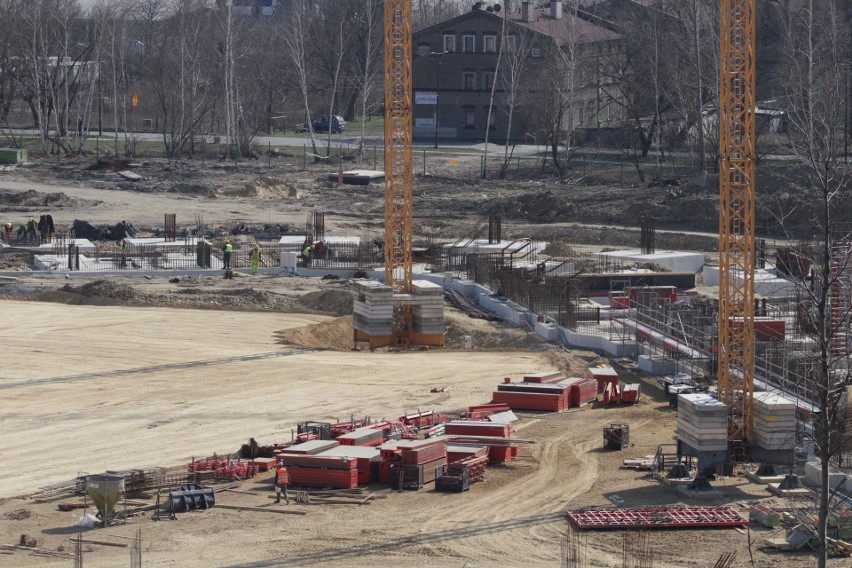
103	289
335	302
537	207
335	335
17	201
264	187
488	335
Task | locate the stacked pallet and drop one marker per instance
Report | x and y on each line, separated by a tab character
603	376
366	458
545	377
459	475
416	462
533	396
501	451
630	393
423	419
372	308
480	411
702	422
774	421
460	452
583	390
311	447
428	309
390	454
321	471
367	436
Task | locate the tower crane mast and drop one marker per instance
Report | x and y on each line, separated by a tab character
398	158
737	105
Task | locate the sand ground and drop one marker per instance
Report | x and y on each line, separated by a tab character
90	388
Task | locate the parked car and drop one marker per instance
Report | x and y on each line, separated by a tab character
321	124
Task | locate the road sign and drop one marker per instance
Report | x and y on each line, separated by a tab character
135	100
426	98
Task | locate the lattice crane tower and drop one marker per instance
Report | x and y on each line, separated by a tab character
736	213
398	159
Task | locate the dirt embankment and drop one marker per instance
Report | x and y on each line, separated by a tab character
32	200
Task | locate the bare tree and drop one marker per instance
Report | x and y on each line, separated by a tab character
511	72
294	33
818	40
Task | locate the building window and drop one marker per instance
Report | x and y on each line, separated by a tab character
469	44
450	43
489	43
469	118
492	120
510	42
469	81
488	79
535	53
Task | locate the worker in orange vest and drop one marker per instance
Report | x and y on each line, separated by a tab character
282	479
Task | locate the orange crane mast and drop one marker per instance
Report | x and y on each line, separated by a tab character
398	159
737	104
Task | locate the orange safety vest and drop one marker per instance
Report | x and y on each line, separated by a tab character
283	477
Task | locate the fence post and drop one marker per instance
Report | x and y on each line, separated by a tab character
97	149
584	166
621	170
375	158
424	162
304	156
269	154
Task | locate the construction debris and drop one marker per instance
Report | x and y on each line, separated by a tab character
657	518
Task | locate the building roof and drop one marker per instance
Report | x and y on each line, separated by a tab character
562	30
567	28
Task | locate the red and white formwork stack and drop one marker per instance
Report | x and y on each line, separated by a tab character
498	437
552	397
367	461
414	463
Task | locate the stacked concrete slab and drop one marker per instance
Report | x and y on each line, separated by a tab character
374	305
373	308
428	310
774	421
702	422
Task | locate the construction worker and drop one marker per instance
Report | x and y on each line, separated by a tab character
31	228
122	249
307	252
282	480
226	254
255	258
7	231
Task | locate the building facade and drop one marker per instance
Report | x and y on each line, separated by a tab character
552	65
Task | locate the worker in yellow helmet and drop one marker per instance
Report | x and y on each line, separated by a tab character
226	254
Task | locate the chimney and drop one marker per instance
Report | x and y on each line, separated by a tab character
556	9
527	12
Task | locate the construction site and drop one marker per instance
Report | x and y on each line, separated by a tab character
444	372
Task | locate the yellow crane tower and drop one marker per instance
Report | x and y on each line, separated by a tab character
737	105
398	158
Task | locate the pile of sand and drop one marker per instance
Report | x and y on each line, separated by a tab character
335	335
334	302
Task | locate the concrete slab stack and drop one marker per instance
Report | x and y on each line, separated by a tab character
373	308
428	310
702	422
373	311
774	421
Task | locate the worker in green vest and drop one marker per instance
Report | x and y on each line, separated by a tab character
226	254
307	252
255	258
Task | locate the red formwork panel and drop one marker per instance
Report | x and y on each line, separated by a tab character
310	447
583	391
362	437
657	518
630	393
423	419
502	454
326	462
425	454
532	400
603	376
461	452
480	411
544	377
543	388
325	477
478	428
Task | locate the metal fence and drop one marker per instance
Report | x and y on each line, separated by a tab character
594	167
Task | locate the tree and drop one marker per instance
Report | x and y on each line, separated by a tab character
818	49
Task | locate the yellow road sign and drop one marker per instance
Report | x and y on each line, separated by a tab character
135	100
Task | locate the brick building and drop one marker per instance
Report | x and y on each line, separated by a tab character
455	66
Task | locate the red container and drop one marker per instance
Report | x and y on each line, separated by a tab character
603	375
501	454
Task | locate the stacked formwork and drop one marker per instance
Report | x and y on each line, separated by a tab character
372	308
774	422
702	422
428	310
